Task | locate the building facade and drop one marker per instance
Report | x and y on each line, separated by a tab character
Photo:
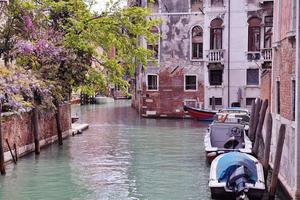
284	90
207	48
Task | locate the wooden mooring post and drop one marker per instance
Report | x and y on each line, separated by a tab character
256	119
258	132
251	122
278	154
16	152
213	103
10	150
267	145
36	131
2	166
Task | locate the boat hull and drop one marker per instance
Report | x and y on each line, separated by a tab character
199	114
221	193
219	189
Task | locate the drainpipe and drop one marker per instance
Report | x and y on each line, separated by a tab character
228	64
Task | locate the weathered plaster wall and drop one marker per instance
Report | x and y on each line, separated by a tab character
18	129
173	64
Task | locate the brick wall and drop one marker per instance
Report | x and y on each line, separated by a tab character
284	71
18	129
169	100
265	90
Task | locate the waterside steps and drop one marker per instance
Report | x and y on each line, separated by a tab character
79	128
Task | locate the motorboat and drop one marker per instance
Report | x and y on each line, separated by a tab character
103	100
200	114
236	175
225	137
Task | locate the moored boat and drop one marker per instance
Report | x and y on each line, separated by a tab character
200	114
225	137
103	100
236	175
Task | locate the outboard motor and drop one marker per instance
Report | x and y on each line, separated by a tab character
237	182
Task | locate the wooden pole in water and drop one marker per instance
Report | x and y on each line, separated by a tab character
274	179
11	153
16	152
258	132
251	123
36	131
267	145
256	119
58	124
213	103
2	167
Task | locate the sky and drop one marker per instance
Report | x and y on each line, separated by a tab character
100	6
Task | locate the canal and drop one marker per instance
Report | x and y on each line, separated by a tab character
121	156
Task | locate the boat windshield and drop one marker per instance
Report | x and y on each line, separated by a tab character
222	133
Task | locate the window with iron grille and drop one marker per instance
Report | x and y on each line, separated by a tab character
216	77
249	101
252	76
152	82
218	101
190	82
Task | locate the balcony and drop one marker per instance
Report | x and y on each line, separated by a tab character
266	55
216	56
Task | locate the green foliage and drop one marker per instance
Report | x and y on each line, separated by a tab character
81	42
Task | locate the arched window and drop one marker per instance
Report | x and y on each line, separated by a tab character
155	46
254	34
197	43
216	34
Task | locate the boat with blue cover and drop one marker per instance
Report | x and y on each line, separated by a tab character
236	175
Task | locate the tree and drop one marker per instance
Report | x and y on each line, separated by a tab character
58	40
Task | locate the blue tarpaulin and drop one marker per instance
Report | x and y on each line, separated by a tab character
231	161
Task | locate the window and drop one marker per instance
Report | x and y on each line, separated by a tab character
154	47
278	97
197	43
197	5
252	76
218	101
216	2
216	34
216	77
152	82
190	82
254	34
249	101
293	100
268	32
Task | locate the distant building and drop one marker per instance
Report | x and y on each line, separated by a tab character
197	60
282	89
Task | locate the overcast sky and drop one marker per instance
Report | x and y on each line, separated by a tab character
100	6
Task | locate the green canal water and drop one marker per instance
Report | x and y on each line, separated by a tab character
121	156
